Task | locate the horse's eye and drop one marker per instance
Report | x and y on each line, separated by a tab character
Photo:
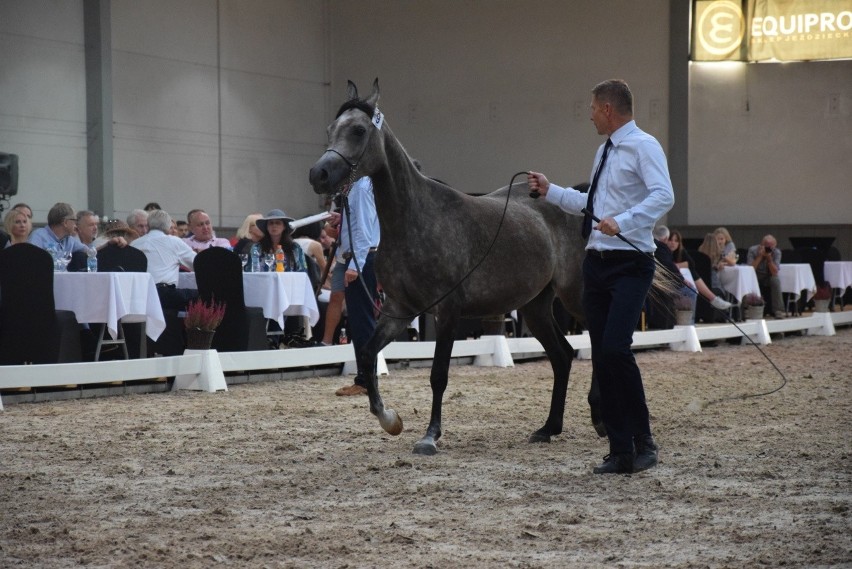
359	130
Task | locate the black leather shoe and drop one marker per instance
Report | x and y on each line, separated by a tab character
616	463
646	453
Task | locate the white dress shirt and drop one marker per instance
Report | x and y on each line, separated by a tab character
166	253
634	188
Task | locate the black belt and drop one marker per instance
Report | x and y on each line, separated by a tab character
348	255
620	254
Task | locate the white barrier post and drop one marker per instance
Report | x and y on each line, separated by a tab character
826	327
350	367
211	377
500	357
690	343
584	353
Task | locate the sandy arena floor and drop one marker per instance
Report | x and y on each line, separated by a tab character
285	474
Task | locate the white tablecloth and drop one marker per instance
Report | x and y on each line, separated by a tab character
279	294
739	280
838	273
110	297
796	277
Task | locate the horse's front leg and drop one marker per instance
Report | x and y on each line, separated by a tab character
386	330
445	330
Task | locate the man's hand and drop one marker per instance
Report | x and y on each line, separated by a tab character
608	226
350	276
538	183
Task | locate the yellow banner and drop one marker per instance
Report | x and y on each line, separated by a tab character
771	30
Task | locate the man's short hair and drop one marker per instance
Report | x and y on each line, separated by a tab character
661	233
191	213
131	218
59	213
159	219
81	215
616	93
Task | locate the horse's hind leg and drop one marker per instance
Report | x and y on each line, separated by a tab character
538	315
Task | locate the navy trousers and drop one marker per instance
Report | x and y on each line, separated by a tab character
360	310
613	296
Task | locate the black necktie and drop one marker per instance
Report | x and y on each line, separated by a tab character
587	221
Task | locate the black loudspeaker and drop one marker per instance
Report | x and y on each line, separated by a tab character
8	174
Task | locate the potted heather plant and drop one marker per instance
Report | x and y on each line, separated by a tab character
684	308
822	298
201	321
753	305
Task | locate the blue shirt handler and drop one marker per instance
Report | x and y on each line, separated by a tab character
630	190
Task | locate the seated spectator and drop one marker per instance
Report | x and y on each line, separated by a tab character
25	208
59	234
308	237
247	234
203	236
151	206
18	227
683	260
138	221
166	255
181	228
117	232
766	260
87	227
710	247
275	226
660	307
727	248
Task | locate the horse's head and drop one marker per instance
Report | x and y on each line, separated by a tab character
354	143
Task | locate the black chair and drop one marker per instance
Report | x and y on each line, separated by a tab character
115	259
31	329
112	259
790	256
219	275
742	256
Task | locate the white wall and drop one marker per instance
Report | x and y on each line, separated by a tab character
764	147
43	100
481	90
259	72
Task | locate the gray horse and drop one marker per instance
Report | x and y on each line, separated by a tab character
432	236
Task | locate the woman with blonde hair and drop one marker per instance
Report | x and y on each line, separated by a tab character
248	234
726	245
18	225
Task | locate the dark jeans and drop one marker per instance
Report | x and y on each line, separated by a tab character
360	310
613	296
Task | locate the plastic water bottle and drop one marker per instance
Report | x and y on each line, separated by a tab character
255	260
92	260
343	339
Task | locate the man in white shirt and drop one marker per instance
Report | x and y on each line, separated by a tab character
630	190
166	255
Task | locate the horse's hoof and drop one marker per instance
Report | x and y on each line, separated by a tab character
390	422
426	448
600	428
539	437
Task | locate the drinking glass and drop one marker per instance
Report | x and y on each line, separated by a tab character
269	260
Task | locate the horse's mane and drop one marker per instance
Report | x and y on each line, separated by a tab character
359	104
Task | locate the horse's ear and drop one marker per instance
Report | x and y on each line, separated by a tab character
373	99
351	91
